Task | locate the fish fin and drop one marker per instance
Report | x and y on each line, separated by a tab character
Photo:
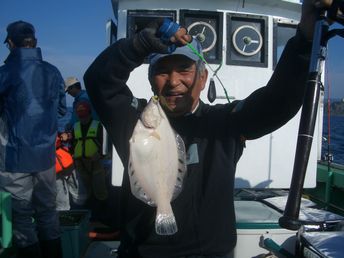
182	168
156	135
136	188
165	222
138	192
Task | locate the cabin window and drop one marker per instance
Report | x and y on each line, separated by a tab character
207	27
283	30
247	40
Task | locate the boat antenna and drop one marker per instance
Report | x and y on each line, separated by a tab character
329	156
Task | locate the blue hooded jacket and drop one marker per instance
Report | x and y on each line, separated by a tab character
32	99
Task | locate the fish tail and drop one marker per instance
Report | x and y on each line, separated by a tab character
165	223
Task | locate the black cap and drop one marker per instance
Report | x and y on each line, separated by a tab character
19	30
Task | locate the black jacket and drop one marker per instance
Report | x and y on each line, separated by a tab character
204	210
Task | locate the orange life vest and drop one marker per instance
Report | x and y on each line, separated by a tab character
64	165
64	161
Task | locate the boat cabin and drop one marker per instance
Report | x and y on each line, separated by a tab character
242	41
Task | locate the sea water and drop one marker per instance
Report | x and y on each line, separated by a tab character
333	138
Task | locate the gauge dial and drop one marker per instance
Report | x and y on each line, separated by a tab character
205	33
247	40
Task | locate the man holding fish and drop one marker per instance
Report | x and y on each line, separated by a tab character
190	211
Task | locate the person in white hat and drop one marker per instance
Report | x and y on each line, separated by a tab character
73	88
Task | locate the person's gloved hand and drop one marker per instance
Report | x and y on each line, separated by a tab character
160	36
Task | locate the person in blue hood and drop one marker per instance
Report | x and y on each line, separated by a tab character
32	97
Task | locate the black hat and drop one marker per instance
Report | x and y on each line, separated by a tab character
20	30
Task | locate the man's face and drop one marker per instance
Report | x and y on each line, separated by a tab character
178	84
73	91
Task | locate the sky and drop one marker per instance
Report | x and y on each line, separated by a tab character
334	84
72	33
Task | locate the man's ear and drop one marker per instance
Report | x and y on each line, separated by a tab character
153	88
151	82
11	44
203	78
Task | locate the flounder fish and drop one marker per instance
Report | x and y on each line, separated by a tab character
157	165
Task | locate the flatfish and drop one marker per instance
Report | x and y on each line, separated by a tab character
157	165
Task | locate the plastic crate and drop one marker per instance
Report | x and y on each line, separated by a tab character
6	220
74	226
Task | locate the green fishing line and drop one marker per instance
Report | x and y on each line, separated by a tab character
214	72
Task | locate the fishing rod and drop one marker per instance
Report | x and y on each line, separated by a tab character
290	219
